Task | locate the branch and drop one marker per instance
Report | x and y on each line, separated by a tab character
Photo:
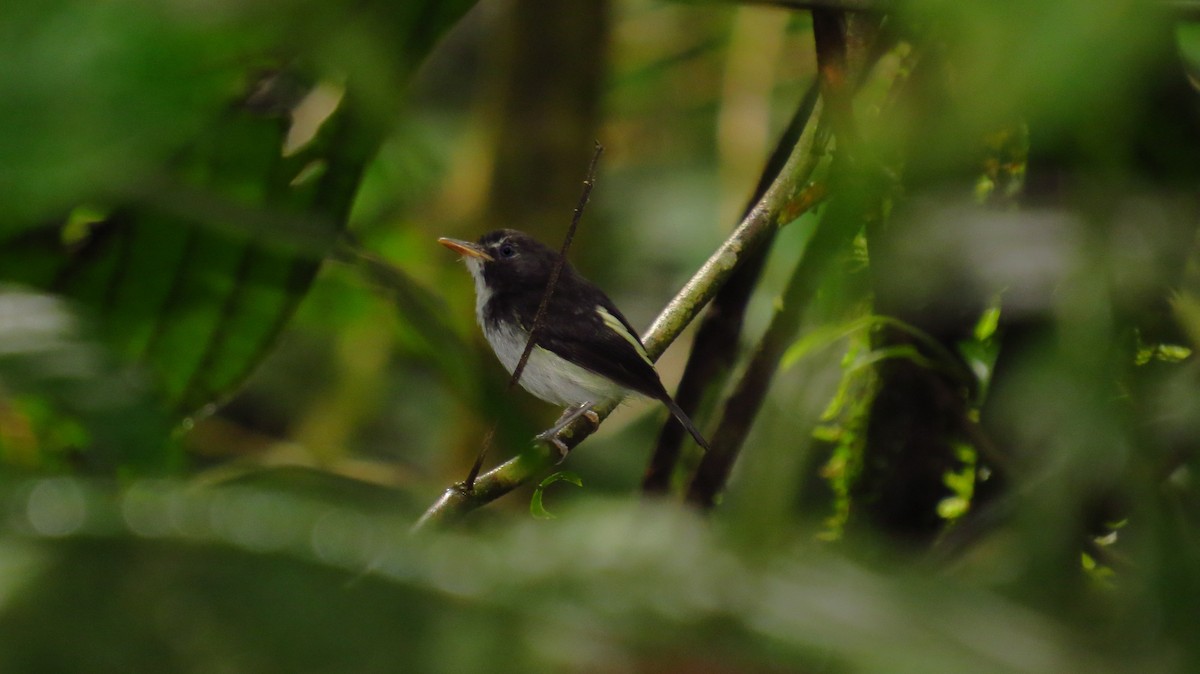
1185	10
777	207
837	80
714	348
1182	10
829	241
760	222
838	5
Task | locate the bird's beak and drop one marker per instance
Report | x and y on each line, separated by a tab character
465	248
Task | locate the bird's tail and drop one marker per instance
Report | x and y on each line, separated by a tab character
685	421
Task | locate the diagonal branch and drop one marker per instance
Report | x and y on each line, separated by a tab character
777	207
839	5
715	345
831	32
1182	10
742	407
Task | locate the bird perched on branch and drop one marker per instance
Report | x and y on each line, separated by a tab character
585	352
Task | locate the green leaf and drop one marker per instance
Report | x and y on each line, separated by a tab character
197	269
47	354
825	336
985	327
535	503
93	94
199	301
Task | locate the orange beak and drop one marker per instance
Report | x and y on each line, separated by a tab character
465	248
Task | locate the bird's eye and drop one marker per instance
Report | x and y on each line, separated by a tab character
507	250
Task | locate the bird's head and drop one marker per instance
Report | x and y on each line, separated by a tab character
506	259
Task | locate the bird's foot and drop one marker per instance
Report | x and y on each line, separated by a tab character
550	435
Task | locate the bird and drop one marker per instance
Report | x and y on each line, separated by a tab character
586	353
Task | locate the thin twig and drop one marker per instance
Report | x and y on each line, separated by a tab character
469	483
588	182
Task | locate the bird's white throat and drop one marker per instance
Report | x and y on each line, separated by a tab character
482	292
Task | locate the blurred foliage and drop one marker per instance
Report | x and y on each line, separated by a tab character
234	367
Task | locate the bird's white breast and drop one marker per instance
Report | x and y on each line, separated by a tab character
546	375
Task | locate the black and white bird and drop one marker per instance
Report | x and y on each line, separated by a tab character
586	352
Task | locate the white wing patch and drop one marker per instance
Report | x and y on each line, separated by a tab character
618	327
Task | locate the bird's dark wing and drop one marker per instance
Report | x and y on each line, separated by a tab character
591	332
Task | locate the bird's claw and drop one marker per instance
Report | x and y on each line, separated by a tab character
562	449
550	436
